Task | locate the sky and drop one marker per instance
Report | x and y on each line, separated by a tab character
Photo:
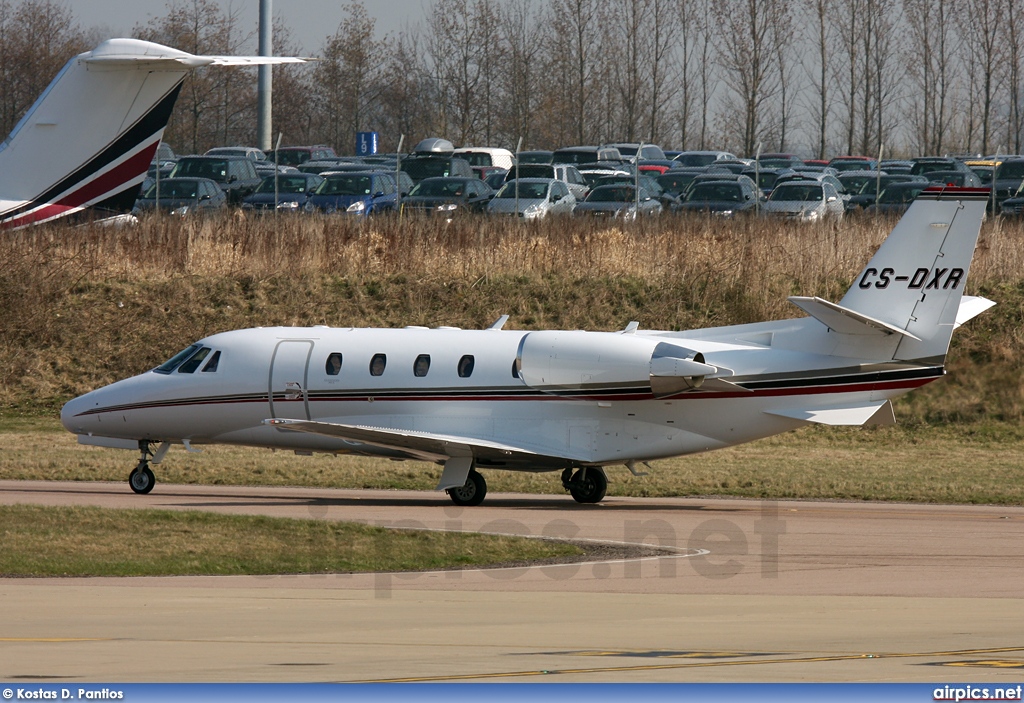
311	21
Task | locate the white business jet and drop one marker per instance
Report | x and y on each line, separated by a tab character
569	401
87	142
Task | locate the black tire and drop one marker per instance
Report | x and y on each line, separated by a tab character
141	480
472	493
589	485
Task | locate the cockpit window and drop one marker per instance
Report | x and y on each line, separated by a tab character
175	360
333	366
211	365
194	361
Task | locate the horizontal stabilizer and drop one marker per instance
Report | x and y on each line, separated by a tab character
877	413
135	53
844	320
970	307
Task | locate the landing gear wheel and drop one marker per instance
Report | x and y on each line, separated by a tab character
472	493
141	479
588	485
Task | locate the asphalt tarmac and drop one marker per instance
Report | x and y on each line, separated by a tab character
745	591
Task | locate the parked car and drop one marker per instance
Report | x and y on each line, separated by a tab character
448	196
861	185
726	198
289	193
359	193
296	155
807	201
766	176
494	180
677	180
535	157
958	179
577	155
702	158
853	163
420	167
236	175
924	165
182	196
648	183
563	172
895	198
1008	179
780	161
537	198
163	161
619	201
648	152
485	156
248	152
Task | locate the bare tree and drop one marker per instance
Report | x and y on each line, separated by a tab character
981	21
524	69
577	30
664	30
929	59
820	71
37	37
1013	40
747	53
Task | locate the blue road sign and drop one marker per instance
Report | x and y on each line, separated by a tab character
366	143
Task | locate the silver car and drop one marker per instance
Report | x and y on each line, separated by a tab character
807	201
538	198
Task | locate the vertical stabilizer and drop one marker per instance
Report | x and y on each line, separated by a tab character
916	279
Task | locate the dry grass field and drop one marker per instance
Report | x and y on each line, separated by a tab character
83	307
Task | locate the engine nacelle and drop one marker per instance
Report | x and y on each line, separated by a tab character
577	362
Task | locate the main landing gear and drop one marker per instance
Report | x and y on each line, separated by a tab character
470	493
141	479
586	485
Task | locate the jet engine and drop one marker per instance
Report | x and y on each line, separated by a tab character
568	363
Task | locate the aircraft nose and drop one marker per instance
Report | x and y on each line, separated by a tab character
71	414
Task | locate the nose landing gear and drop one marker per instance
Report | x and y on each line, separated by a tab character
141	479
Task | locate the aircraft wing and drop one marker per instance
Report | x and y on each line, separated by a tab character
456	452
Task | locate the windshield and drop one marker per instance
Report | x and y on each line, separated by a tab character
673	183
292	157
345	185
612	194
796	193
181	190
897	194
175	360
439	188
476	158
285	184
696	159
527	191
705	192
1010	169
574	157
859	184
418	169
201	168
535	157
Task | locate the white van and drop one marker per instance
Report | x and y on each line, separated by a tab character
486	156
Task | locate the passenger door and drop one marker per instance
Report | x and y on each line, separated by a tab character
289	375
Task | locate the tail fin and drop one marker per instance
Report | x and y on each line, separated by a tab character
910	292
89	138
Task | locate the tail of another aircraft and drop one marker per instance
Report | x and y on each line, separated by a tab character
909	297
89	138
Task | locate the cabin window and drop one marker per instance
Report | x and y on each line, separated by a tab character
194	361
175	360
515	368
421	365
333	366
377	364
466	366
211	365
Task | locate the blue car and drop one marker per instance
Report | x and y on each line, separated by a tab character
293	190
357	193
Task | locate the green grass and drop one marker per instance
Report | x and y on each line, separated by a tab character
955	463
48	542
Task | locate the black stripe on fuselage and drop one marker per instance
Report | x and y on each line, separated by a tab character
800	382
